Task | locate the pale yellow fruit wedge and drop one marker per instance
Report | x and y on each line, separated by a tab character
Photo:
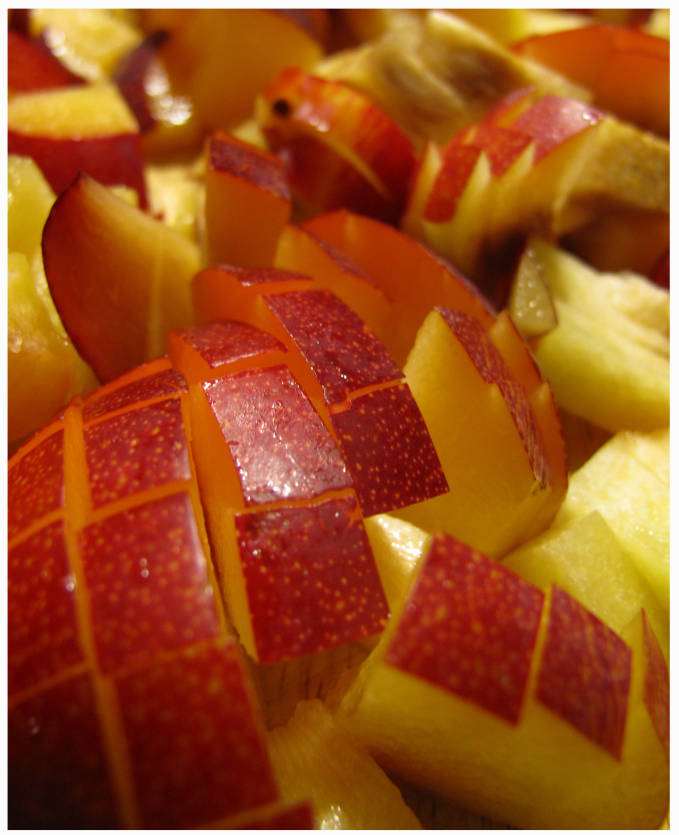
584	558
607	358
97	109
315	759
601	375
626	480
626	302
29	200
90	42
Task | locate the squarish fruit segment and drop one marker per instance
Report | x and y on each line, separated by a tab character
345	370
288	534
315	758
521	706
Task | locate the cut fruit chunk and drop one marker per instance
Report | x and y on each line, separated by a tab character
347	373
90	42
279	499
119	278
78	128
167	119
31	66
584	558
242	183
484	429
301	251
220	59
548	165
536	711
607	359
44	370
626	481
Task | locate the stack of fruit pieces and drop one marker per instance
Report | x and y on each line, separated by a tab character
350	497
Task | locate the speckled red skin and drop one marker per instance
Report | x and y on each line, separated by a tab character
111	160
548	122
469	626
343	354
58	775
311	578
501	145
162	383
219	343
657	686
279	444
147	582
195	754
43	635
491	366
123	609
35	482
388	450
552	120
136	450
584	672
134	605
